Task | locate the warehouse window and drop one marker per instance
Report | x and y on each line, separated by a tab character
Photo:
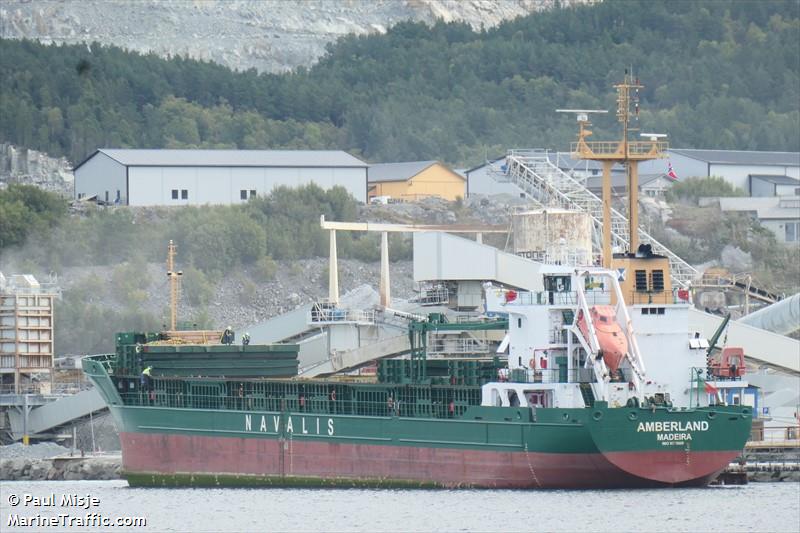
792	230
252	193
184	194
243	194
174	194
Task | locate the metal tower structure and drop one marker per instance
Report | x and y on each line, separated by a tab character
173	286
547	185
625	152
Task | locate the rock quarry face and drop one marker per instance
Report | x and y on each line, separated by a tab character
268	35
29	167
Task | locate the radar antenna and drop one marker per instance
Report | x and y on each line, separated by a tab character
583	119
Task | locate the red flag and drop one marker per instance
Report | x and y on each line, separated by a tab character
710	389
671	173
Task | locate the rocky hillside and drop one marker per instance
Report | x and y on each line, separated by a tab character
30	167
243	297
268	35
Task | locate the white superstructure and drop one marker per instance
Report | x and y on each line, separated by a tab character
552	363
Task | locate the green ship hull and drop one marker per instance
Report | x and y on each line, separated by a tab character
273	435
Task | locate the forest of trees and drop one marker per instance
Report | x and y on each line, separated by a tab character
720	74
213	239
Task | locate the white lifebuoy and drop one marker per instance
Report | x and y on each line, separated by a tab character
138	348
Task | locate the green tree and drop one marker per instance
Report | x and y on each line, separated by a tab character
27	210
692	189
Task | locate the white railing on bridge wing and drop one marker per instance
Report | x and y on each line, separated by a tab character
568	298
568	258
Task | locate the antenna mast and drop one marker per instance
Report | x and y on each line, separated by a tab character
626	152
173	286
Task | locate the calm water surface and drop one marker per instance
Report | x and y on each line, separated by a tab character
755	507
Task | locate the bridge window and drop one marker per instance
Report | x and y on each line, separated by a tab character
657	277
641	281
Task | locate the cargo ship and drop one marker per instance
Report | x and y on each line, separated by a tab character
570	416
598	383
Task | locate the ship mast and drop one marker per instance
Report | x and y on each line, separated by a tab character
173	286
624	151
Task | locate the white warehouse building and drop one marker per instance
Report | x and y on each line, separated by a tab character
737	167
197	177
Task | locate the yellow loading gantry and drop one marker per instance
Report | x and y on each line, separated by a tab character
626	152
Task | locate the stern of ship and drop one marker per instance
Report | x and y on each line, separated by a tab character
673	446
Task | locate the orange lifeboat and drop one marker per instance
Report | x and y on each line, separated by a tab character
612	341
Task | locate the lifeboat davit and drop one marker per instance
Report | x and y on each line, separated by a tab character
610	336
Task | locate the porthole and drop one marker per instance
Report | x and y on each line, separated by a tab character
597	415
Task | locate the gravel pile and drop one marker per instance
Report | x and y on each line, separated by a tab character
42	450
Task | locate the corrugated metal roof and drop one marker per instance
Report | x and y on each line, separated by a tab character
487	162
563	160
397	171
776	180
231	158
741	157
620	181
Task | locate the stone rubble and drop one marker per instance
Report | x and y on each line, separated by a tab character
29	167
72	469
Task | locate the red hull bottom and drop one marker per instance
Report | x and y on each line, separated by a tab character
149	457
672	467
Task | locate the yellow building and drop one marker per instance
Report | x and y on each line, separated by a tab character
415	180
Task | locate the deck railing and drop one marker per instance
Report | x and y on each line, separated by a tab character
319	398
566	298
332	316
554	375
